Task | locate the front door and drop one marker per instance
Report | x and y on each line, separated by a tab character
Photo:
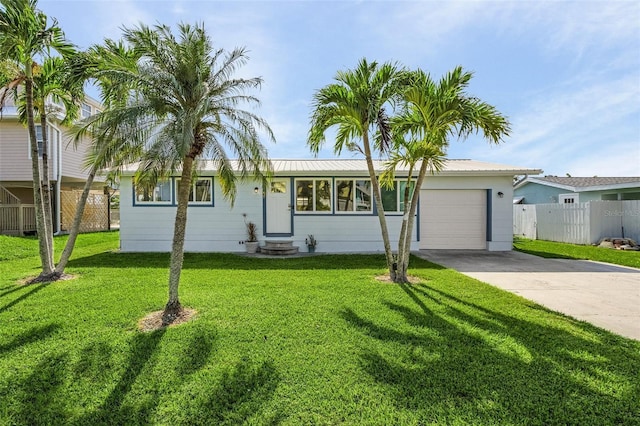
279	206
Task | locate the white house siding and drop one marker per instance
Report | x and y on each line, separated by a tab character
222	228
499	233
209	229
15	164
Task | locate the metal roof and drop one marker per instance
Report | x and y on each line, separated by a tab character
310	167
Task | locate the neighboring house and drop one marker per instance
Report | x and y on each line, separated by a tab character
569	190
67	175
465	206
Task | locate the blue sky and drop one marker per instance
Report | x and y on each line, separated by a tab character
567	74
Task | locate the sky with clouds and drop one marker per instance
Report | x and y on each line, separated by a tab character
567	74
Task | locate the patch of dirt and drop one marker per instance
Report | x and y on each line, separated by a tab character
31	280
387	279
153	321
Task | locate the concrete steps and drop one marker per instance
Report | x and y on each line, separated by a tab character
279	248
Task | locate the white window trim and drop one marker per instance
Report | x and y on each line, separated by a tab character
314	180
83	112
48	128
353	201
153	202
193	189
399	197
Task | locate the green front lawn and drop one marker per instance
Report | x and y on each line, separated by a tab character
552	249
313	340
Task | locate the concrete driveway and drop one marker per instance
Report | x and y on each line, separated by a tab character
605	295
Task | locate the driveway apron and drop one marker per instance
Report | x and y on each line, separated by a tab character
605	295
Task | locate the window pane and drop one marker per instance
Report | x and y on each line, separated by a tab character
203	190
323	195
162	191
304	195
390	198
344	195
363	195
86	110
278	187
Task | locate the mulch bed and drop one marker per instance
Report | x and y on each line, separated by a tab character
153	321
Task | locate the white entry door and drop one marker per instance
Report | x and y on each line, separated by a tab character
279	206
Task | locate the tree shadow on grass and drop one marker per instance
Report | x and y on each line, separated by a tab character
35	288
35	399
33	335
238	397
462	362
230	261
114	409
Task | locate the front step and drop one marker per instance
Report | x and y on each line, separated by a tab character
278	248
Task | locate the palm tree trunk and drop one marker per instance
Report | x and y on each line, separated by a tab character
46	183
173	307
75	226
375	186
404	249
46	256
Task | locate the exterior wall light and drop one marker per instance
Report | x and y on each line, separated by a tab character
500	194
256	190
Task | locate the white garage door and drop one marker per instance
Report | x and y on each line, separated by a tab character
453	219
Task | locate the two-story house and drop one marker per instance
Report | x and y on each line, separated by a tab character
66	173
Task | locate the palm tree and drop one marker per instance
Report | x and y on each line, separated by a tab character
53	81
185	107
356	103
107	151
433	113
25	34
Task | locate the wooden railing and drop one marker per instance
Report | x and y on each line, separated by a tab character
17	219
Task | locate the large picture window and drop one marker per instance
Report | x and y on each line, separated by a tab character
161	193
313	195
393	198
353	195
201	191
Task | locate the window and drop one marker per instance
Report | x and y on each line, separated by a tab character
313	195
568	198
38	140
278	187
161	193
201	191
85	110
353	195
393	199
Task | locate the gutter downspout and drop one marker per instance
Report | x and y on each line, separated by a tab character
58	182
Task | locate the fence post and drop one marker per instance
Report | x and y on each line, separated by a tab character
21	219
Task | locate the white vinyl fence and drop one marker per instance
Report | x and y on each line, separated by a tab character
580	223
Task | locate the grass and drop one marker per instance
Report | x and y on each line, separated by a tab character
551	249
314	340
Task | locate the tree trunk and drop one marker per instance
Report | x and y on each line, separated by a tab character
404	247
46	182
46	256
75	226
375	187
173	307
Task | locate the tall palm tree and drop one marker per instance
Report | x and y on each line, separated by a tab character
185	107
25	35
357	104
433	113
108	151
52	81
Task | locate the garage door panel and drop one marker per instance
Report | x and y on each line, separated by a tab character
452	219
